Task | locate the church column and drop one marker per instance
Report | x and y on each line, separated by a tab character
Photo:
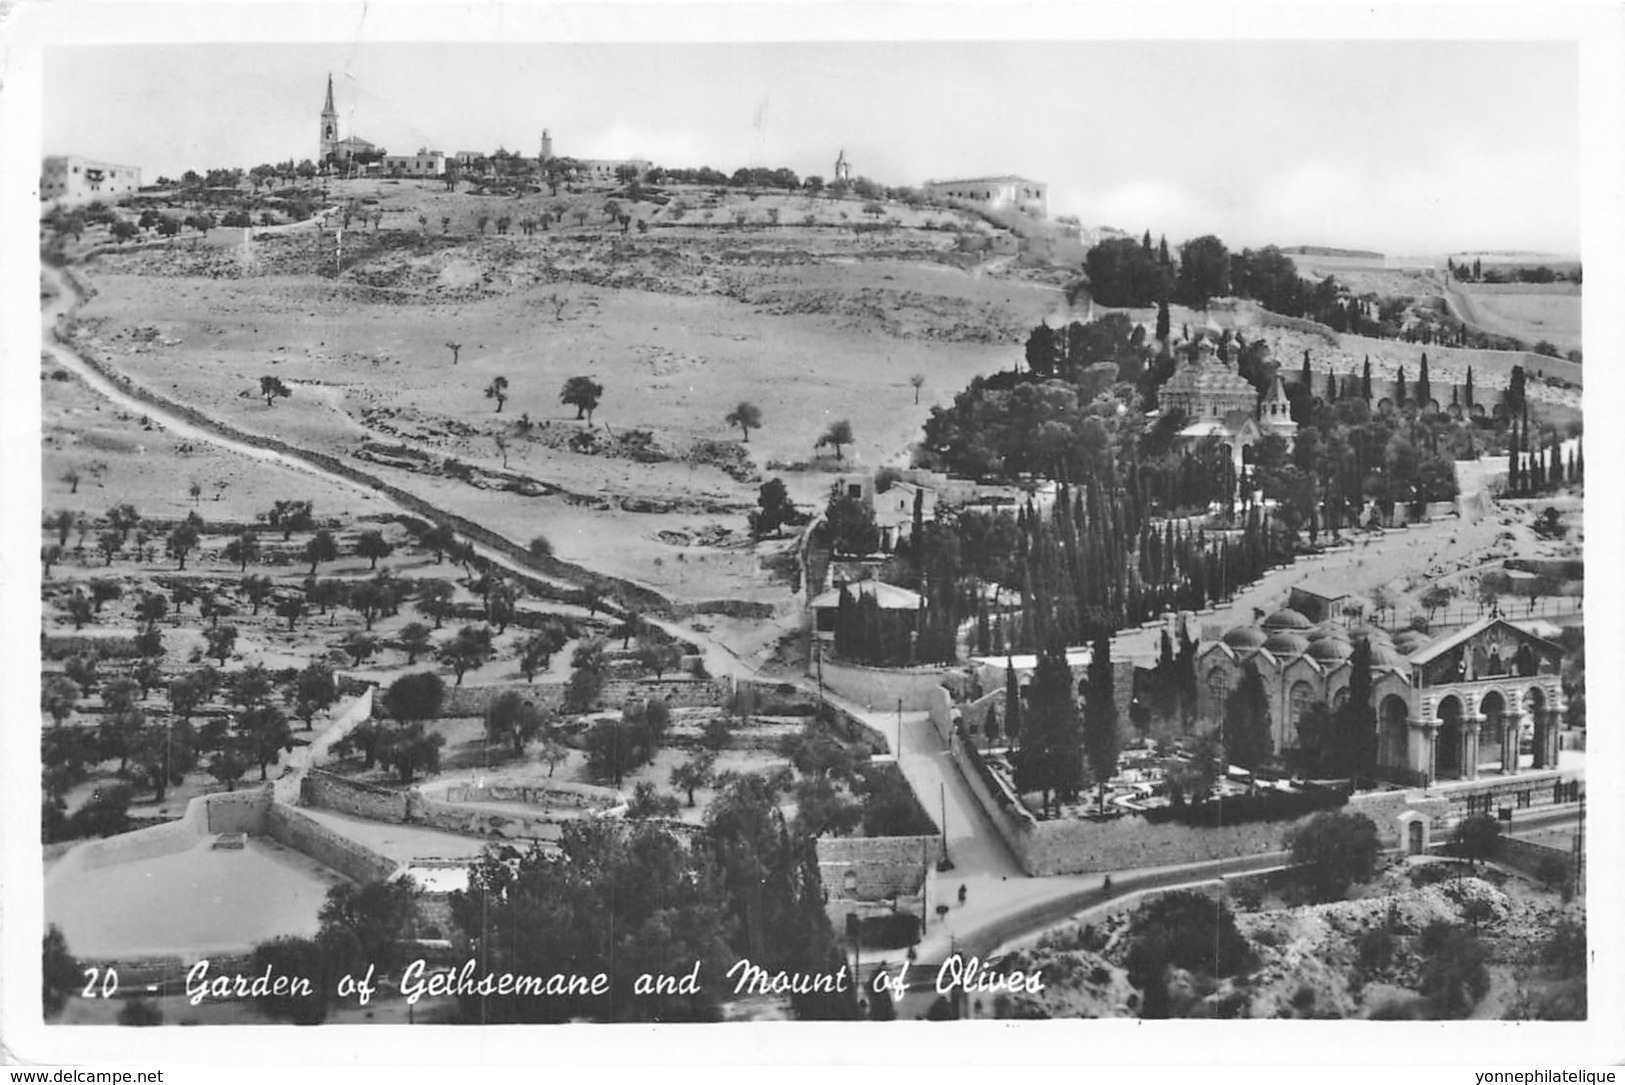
1419	748
1469	742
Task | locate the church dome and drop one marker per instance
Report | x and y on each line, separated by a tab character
1330	649
1245	636
1373	634
1287	618
1328	630
1283	643
1412	641
1385	655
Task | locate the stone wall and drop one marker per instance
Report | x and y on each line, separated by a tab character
552	793
677	692
329	792
291	828
1530	857
881	866
504	824
237	811
108	644
466	701
883	687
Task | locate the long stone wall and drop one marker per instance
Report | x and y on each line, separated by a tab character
505	824
883	687
111	644
677	692
329	792
553	793
466	701
291	828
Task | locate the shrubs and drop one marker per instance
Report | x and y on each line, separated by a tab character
1335	850
1187	930
1264	805
1454	976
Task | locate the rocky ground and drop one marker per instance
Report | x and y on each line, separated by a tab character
1308	961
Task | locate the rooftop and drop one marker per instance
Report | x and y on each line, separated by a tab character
889	596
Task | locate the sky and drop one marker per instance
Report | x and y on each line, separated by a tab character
1405	147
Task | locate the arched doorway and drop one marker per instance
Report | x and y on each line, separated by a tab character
1447	743
1494	751
1534	706
1392	733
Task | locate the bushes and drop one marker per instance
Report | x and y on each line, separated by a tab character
1187	930
1454	976
1335	850
1265	805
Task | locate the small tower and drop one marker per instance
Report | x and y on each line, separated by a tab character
1275	412
330	124
547	145
843	168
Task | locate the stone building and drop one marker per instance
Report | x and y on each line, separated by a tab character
843	168
68	178
995	193
1487	698
425	163
1220	403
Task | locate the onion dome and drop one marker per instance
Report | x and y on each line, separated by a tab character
1330	650
1371	634
1287	618
1385	655
1245	637
1285	643
1412	641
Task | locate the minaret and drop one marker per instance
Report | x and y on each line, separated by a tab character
547	146
330	124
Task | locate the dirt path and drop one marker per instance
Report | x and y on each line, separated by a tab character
61	306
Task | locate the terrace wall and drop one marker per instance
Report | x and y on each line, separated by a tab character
560	793
677	692
467	701
329	792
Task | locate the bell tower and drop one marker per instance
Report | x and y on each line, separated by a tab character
330	124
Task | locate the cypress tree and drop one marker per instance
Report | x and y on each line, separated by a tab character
1246	725
1145	243
1424	387
1469	393
1012	703
1331	387
1399	388
1100	717
1163	322
1365	381
1308	376
1162	251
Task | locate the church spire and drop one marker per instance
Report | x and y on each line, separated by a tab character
328	108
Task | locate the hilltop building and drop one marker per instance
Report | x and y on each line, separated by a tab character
843	168
67	178
1462	705
332	148
425	163
995	193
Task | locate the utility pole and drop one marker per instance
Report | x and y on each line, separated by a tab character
898	750
942	795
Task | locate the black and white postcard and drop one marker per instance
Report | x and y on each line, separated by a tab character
700	520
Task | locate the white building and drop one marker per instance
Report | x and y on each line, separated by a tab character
68	178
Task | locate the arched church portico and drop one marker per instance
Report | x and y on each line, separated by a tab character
1487	726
